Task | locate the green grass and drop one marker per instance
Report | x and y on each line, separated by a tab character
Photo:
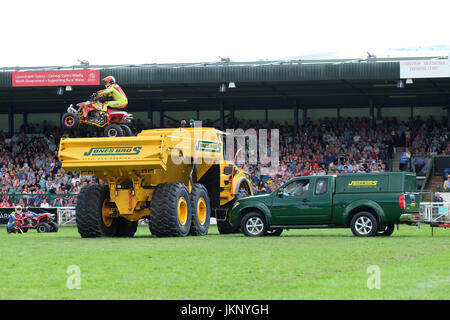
301	264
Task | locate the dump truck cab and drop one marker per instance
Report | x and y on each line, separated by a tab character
176	177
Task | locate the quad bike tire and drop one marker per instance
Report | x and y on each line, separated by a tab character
201	210
43	227
70	120
114	130
53	227
170	210
126	130
89	219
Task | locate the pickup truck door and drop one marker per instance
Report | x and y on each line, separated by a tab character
305	200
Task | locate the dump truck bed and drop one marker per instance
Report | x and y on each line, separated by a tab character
151	150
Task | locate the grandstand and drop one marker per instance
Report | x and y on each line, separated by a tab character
334	116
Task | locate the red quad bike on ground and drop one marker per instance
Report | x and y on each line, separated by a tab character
44	222
116	123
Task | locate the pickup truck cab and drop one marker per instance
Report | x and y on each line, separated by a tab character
368	204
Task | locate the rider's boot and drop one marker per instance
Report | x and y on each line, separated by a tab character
102	117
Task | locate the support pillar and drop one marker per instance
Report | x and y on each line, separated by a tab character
10	121
372	113
305	115
150	113
295	117
222	115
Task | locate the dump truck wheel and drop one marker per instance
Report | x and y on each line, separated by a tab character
114	130
126	228
201	210
170	210
88	212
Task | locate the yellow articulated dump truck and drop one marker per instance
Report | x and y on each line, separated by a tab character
177	178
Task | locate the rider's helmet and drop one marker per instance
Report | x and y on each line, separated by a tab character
19	209
109	81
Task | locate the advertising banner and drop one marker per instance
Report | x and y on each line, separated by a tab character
439	68
56	78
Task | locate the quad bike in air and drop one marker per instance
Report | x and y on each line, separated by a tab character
115	122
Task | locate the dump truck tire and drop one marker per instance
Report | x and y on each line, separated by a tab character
201	210
170	210
126	228
88	212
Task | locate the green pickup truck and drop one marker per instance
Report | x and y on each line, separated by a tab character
369	204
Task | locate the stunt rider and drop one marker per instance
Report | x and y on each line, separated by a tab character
14	220
114	91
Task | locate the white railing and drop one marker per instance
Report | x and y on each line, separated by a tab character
66	215
435	212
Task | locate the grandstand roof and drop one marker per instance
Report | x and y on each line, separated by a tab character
275	84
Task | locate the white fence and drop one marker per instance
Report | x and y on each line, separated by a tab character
438	212
66	215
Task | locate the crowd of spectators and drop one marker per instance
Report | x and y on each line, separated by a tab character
31	175
345	145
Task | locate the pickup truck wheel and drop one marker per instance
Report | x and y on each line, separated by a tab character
364	224
170	210
387	231
254	225
274	232
201	210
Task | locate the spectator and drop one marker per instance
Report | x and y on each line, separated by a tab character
405	156
447	184
437	197
44	203
5	203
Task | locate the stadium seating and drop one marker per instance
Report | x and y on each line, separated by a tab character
29	167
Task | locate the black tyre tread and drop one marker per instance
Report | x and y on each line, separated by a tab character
117	127
163	220
89	202
126	130
45	225
126	228
389	229
196	229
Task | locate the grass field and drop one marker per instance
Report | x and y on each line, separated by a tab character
301	264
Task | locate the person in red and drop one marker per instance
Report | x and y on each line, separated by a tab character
114	91
5	203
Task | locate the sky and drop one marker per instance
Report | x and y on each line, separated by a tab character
60	33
